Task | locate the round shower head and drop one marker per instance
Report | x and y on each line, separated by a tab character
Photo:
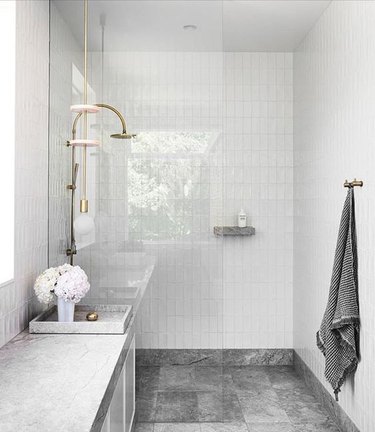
123	135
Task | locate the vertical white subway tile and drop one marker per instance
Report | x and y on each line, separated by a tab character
31	184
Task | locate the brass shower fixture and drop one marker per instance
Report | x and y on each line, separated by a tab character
83	110
71	251
123	135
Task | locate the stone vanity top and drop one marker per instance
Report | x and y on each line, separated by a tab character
65	382
53	383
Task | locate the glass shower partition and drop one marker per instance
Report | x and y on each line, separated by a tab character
160	194
154	199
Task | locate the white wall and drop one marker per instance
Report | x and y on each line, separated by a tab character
208	292
258	176
18	304
334	112
64	52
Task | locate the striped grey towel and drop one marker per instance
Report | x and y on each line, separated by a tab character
338	337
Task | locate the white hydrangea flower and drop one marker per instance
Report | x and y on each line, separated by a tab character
73	284
45	284
64	268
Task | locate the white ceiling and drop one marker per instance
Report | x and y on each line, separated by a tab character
229	25
269	25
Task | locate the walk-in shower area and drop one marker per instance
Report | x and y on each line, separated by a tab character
194	201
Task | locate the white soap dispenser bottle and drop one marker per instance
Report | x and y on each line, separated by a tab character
242	219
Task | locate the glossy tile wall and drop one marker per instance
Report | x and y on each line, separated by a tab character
258	177
18	303
334	109
65	55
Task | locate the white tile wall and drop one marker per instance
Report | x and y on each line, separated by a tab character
208	293
18	303
258	177
64	53
334	111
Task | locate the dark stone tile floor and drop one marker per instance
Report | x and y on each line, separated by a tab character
227	399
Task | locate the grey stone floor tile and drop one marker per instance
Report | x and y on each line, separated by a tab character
328	426
300	412
251	357
177	407
284	377
213	379
262	407
177	378
293	396
270	427
224	427
147	379
219	407
144	427
146	407
178	357
177	427
280	369
248	378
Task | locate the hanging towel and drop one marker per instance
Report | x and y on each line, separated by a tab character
338	337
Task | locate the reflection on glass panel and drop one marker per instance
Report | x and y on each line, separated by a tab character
168	175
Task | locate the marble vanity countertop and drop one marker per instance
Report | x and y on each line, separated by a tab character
53	383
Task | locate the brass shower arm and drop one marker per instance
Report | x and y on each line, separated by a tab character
100	105
117	112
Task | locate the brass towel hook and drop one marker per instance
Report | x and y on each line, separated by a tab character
354	183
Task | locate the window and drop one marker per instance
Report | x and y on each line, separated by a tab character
167	175
7	116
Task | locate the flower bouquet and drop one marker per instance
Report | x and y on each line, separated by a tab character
68	283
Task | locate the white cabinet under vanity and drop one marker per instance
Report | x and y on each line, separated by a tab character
120	415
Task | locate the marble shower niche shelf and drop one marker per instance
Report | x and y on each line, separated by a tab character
232	231
112	319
